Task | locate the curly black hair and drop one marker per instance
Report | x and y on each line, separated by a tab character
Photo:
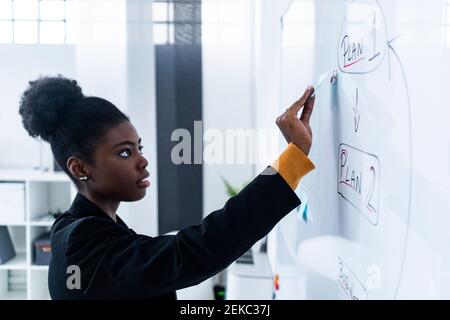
55	110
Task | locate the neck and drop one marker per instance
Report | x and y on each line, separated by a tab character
108	206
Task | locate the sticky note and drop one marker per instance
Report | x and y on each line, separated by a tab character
302	210
305	213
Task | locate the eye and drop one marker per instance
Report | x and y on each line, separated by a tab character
128	151
125	151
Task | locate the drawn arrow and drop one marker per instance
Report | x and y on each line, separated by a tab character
357	115
389	44
411	165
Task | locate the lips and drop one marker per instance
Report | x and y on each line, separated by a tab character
144	183
143	178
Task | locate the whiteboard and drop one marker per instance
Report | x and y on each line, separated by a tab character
378	204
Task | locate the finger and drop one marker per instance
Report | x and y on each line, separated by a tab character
295	108
308	109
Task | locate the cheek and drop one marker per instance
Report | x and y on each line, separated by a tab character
116	175
122	176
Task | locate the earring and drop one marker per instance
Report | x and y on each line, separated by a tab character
84	178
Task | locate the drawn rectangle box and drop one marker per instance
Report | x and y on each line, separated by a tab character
359	180
12	202
349	282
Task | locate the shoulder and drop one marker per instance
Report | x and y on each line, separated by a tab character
71	230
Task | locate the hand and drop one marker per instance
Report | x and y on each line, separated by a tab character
297	130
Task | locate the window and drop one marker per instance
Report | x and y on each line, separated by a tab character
163	29
176	21
38	21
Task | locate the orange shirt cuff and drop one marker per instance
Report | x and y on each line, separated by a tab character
293	165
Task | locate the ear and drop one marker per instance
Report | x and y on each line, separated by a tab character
77	167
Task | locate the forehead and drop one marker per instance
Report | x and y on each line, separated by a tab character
120	133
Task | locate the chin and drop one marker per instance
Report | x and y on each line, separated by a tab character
135	197
142	195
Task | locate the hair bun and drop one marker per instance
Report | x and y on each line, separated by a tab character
45	102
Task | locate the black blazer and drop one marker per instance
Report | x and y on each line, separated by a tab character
117	263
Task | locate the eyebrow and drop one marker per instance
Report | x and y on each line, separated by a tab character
127	142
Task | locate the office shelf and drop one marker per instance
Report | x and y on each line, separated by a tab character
19	262
14	295
13	224
41	223
37	267
44	192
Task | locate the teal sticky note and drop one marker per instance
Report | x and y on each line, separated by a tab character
302	209
305	213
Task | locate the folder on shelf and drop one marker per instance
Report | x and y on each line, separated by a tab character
7	251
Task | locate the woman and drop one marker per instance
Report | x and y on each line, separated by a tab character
100	150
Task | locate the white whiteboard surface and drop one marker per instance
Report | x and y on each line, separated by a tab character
380	196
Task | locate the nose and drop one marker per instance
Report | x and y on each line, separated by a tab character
143	163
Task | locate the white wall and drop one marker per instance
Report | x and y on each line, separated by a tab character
227	87
20	64
268	65
115	61
141	99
